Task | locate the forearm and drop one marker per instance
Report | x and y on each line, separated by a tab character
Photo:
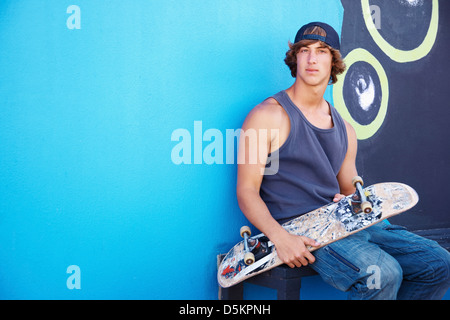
291	249
258	214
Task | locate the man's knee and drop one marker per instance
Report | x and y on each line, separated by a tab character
382	281
441	267
391	275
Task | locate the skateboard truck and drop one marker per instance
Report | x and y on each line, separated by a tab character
249	257
254	249
359	200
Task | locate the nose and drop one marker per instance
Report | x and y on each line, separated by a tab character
312	58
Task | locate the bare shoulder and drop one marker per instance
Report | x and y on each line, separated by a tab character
267	114
351	133
352	139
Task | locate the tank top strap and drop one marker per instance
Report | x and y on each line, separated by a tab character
284	100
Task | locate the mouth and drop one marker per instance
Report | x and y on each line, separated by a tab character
312	70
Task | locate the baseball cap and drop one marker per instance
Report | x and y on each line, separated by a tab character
332	38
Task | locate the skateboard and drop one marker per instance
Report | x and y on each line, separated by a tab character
327	224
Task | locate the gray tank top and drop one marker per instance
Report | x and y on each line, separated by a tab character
309	162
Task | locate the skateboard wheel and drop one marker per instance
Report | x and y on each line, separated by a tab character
366	207
245	229
249	258
356	180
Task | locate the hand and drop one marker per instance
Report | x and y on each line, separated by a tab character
292	250
338	197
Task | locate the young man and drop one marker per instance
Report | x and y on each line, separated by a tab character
316	151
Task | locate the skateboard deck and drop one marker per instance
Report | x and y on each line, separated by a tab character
325	225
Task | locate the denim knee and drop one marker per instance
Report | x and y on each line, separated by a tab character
391	275
441	267
382	281
430	282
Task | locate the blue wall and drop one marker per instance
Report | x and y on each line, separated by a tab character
87	118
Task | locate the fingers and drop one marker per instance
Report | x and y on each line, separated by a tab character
293	250
310	242
300	261
338	197
304	256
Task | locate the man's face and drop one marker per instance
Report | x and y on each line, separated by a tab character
314	64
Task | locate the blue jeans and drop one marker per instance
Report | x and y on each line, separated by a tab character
385	262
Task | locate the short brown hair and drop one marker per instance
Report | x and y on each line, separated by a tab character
338	65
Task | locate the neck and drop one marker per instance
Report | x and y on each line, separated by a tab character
307	96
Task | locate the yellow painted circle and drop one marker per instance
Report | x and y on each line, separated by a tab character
362	131
403	55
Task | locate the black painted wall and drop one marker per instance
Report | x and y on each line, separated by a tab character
412	144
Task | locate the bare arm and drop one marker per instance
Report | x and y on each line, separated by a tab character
249	177
263	121
348	169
